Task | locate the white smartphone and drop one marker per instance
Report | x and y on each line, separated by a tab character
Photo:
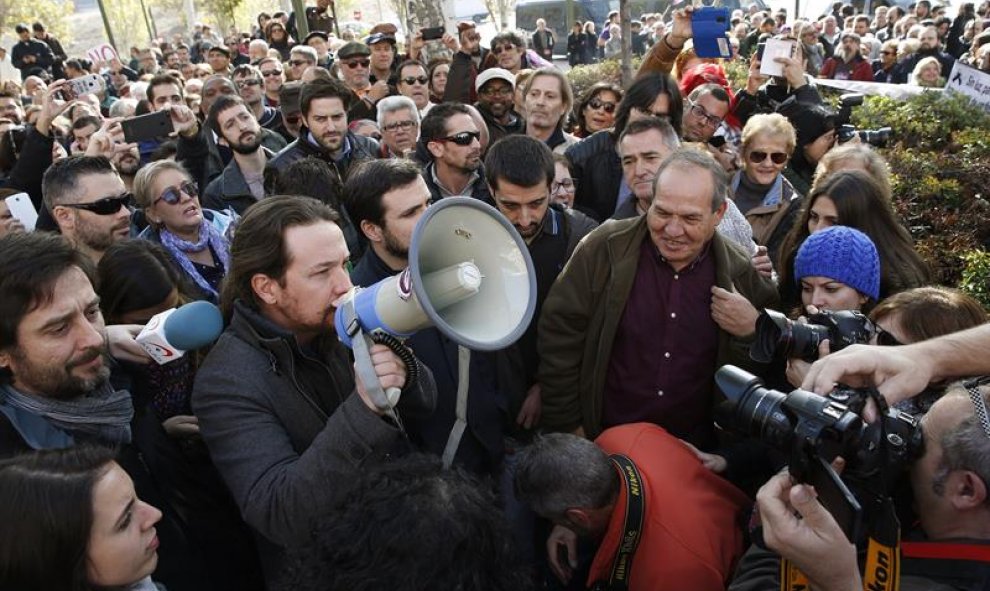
88	84
20	207
776	48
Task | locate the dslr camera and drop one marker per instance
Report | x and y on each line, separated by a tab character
778	333
813	430
845	131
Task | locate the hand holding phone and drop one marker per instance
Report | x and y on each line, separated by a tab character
147	127
22	210
709	26
432	33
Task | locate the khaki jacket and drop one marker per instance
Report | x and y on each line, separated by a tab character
582	312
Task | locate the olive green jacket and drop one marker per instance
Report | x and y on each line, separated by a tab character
582	313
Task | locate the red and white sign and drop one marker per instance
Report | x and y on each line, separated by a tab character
104	53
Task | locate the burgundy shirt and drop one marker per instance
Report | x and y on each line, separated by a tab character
665	348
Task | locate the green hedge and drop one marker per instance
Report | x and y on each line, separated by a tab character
940	163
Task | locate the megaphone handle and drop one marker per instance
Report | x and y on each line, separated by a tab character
366	372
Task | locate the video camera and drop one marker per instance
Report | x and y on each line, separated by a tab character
776	332
814	430
845	130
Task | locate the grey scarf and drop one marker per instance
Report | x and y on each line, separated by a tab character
104	414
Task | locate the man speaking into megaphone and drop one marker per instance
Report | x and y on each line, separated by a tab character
387	200
286	421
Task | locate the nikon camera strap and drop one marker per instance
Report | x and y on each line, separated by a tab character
632	525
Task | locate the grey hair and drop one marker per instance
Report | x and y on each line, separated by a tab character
306	50
964	447
560	471
391	104
693	157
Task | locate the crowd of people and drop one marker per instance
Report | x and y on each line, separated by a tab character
670	223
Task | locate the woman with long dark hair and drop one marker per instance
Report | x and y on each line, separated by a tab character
72	522
853	198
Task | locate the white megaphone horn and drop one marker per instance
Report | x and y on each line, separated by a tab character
469	274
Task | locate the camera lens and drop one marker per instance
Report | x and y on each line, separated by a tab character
778	333
756	410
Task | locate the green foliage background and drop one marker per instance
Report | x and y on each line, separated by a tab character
940	164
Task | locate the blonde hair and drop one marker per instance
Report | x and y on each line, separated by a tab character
772	124
144	182
920	66
869	160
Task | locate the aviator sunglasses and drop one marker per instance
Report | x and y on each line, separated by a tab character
777	157
599	104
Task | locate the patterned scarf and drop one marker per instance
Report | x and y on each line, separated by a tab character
208	236
104	414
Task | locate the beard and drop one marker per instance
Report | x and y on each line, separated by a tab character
97	239
127	165
246	147
59	383
393	246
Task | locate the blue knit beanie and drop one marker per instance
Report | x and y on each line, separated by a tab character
842	254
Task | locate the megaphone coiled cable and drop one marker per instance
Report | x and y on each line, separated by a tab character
404	353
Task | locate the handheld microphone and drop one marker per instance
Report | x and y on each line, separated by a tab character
169	334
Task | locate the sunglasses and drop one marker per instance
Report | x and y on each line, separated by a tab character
105	206
885	339
295	63
500	48
598	104
465	138
291	119
271	73
247	83
356	63
173	195
414	79
776	157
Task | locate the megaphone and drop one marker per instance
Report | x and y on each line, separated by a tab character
470	275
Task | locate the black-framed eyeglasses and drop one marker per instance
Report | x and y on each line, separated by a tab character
356	63
492	90
885	339
105	206
758	156
173	195
567	185
700	112
464	138
596	104
406	124
410	80
245	83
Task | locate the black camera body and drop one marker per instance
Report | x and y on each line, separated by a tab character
845	131
776	332
813	430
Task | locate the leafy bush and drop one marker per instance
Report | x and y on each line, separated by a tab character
940	165
582	77
976	276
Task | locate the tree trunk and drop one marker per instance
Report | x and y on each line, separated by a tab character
626	24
